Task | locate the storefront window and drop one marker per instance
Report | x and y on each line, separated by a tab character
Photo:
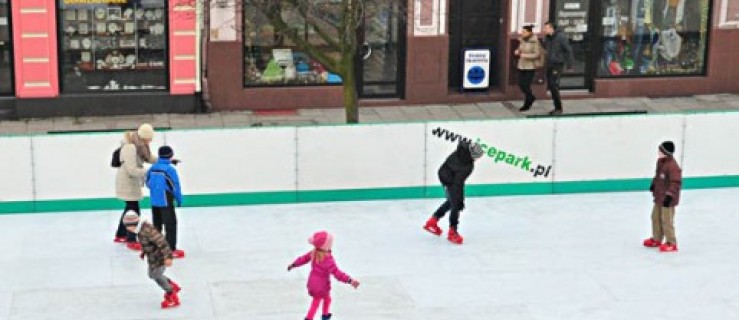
654	37
272	59
113	45
6	69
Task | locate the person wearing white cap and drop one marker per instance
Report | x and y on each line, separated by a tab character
129	179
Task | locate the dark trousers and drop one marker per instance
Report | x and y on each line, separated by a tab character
122	232
446	207
166	216
525	78
553	73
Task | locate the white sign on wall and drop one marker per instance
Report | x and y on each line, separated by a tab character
476	69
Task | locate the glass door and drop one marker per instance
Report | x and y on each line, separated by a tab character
380	59
6	51
574	18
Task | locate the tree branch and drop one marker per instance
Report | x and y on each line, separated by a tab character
323	34
273	13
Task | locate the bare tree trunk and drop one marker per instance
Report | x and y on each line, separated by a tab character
351	101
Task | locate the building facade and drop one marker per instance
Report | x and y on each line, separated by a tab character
98	57
412	51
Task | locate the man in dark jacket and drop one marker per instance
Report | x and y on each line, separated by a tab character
453	174
559	54
665	188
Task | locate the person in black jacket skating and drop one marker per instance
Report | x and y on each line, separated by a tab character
453	174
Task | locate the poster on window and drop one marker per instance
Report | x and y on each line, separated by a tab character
476	69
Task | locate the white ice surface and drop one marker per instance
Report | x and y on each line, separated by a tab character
546	257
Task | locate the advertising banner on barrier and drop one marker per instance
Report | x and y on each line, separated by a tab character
515	151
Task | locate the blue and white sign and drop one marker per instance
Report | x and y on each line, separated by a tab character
476	73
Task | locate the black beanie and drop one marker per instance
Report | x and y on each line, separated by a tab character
667	148
166	152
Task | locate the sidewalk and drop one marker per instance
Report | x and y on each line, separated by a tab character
477	111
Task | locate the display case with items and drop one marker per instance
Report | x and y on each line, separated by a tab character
271	59
114	47
654	37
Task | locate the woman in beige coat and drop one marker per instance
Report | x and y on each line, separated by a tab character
130	177
528	53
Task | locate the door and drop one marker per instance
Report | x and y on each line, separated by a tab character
472	24
381	57
574	18
6	51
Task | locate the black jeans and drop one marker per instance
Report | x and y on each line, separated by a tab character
553	73
446	207
122	232
525	78
166	216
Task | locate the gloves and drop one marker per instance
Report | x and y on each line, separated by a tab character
354	283
667	202
175	161
651	187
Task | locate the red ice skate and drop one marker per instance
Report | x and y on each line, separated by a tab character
119	239
170	300
651	243
432	226
175	287
454	237
668	247
135	246
178	254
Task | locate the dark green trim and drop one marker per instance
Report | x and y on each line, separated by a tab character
418	192
361	194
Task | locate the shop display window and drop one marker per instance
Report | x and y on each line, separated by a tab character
271	59
112	45
654	38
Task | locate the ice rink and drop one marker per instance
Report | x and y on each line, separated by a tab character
544	257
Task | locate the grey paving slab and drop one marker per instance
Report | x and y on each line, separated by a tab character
310	112
467	109
370	118
440	109
40	125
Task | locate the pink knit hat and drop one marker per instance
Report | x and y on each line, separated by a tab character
322	240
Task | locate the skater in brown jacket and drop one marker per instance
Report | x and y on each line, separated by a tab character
158	255
665	188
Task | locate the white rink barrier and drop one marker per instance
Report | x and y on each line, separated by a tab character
377	161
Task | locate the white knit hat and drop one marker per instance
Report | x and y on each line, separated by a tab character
146	131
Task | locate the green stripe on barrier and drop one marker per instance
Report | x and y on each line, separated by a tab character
418	192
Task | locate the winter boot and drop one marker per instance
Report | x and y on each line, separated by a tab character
119	239
651	243
326	317
454	237
135	246
170	300
668	247
432	226
177	254
175	287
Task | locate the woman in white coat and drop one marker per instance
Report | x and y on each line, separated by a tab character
130	177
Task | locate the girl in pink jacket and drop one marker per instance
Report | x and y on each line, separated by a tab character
322	266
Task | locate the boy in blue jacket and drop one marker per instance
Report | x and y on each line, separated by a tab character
164	187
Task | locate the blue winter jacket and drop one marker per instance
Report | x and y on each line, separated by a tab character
162	179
